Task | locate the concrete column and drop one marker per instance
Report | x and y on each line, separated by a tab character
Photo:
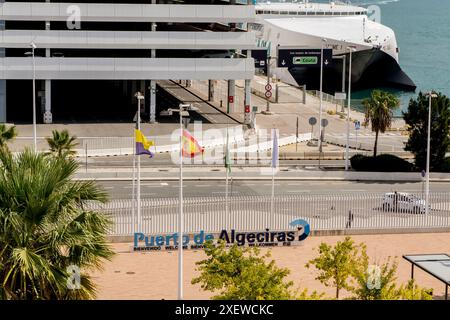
48	118
153	83
2	82
231	96
134	89
210	90
247	101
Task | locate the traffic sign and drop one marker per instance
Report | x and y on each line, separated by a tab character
423	173
268	94
268	87
260	57
288	58
324	122
312	121
357	125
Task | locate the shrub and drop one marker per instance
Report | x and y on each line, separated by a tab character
380	163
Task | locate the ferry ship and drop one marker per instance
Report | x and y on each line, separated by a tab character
335	25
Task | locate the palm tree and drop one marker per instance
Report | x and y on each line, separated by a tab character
47	228
62	143
379	111
6	134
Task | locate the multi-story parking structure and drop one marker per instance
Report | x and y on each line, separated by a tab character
92	56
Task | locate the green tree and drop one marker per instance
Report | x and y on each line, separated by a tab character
417	120
375	282
62	143
47	228
6	135
240	273
411	291
335	264
379	111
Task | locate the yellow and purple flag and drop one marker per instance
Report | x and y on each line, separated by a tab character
142	144
190	146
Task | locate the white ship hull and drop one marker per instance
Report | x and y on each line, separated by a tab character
374	61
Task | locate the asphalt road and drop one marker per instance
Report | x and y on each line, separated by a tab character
156	189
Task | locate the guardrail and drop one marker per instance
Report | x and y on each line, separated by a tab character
344	211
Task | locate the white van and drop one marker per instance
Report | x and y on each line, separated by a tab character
403	202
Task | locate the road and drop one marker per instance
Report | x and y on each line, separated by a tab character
163	189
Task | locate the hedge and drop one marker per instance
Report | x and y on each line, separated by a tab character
380	163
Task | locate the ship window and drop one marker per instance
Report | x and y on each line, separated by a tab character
320	13
293	12
266	12
274	12
284	12
301	13
259	11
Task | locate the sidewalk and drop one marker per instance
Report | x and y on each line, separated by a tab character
284	118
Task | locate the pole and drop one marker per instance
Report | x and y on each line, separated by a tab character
348	109
226	178
268	82
427	183
344	60
321	96
34	98
133	192
138	192
296	136
180	220
356	142
273	191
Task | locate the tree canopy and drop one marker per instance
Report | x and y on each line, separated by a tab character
417	120
48	231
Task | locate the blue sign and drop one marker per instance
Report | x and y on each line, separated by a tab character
266	238
357	125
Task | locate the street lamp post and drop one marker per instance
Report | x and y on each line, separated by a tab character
351	49
33	47
427	179
182	109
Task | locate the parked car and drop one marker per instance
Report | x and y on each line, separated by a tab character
403	202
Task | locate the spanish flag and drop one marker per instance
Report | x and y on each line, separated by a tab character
142	145
190	146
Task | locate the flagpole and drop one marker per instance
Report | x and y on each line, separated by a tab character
226	179
274	163
133	197
273	191
180	220
138	192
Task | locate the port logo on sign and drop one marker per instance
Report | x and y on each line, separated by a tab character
305	60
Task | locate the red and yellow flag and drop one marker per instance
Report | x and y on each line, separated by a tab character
190	146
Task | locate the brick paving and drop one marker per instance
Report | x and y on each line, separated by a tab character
154	275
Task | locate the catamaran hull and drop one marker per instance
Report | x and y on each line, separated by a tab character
370	68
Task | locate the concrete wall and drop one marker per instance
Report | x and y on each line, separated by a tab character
127	68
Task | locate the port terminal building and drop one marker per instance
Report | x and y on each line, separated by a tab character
88	58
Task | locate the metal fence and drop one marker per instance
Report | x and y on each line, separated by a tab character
356	211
